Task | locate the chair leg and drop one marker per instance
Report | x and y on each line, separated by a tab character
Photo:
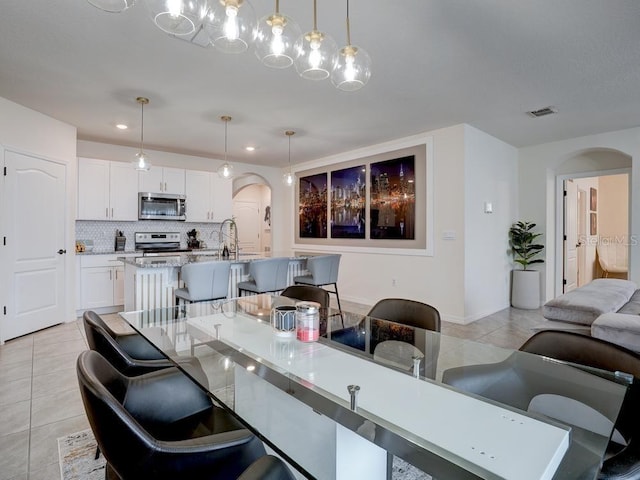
97	453
335	286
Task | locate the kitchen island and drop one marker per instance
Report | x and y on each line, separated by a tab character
149	281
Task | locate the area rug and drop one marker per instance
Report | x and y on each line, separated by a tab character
77	457
77	460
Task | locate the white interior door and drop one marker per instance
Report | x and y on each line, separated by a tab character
570	236
33	213
247	217
583	276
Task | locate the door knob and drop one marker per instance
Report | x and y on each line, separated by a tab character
61	251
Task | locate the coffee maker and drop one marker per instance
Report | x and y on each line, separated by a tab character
192	239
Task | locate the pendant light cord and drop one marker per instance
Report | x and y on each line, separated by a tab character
142	127
348	26
226	124
315	15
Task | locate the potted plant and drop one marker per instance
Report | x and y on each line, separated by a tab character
525	285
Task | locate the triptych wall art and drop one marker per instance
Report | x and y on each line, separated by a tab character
373	201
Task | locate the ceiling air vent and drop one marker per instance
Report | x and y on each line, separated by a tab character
542	112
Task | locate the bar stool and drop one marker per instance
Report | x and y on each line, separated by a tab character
204	281
268	275
323	270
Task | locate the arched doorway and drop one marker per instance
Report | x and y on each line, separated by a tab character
593	207
251	211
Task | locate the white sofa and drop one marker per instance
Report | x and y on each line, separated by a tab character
609	306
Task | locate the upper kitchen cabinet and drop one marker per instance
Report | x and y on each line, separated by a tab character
209	197
107	190
162	180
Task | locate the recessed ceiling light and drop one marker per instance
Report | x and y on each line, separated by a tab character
249	149
121	126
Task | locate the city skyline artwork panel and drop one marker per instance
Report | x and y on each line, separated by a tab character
393	210
312	206
348	196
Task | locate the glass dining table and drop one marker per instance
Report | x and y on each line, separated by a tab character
369	391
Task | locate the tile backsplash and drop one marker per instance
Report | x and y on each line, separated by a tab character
103	233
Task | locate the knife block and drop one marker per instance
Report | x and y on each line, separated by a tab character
120	243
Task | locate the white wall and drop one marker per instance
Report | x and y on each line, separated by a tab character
613	206
490	175
439	279
28	131
538	167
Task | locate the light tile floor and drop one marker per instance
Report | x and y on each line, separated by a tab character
40	400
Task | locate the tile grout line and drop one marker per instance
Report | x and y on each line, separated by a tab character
33	361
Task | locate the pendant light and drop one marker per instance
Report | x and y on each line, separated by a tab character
141	162
275	39
352	69
177	17
231	25
288	178
112	6
226	169
316	52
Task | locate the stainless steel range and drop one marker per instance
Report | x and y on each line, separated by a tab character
158	243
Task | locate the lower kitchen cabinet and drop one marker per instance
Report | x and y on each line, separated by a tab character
101	282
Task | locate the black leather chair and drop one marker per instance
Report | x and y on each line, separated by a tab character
161	425
583	350
131	353
407	312
307	293
267	468
514	382
134	344
414	314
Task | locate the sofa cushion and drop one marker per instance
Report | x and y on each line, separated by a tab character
632	307
619	328
583	305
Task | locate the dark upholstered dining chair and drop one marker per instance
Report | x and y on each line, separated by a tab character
161	425
131	353
267	467
307	293
407	312
414	314
511	383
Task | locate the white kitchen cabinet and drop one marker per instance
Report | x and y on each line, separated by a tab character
101	281
162	180
107	190
209	197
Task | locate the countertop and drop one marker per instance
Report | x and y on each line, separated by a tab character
140	252
181	259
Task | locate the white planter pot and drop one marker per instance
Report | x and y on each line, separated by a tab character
525	289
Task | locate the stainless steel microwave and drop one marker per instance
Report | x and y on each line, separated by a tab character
161	206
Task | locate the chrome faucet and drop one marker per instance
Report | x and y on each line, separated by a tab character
221	234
